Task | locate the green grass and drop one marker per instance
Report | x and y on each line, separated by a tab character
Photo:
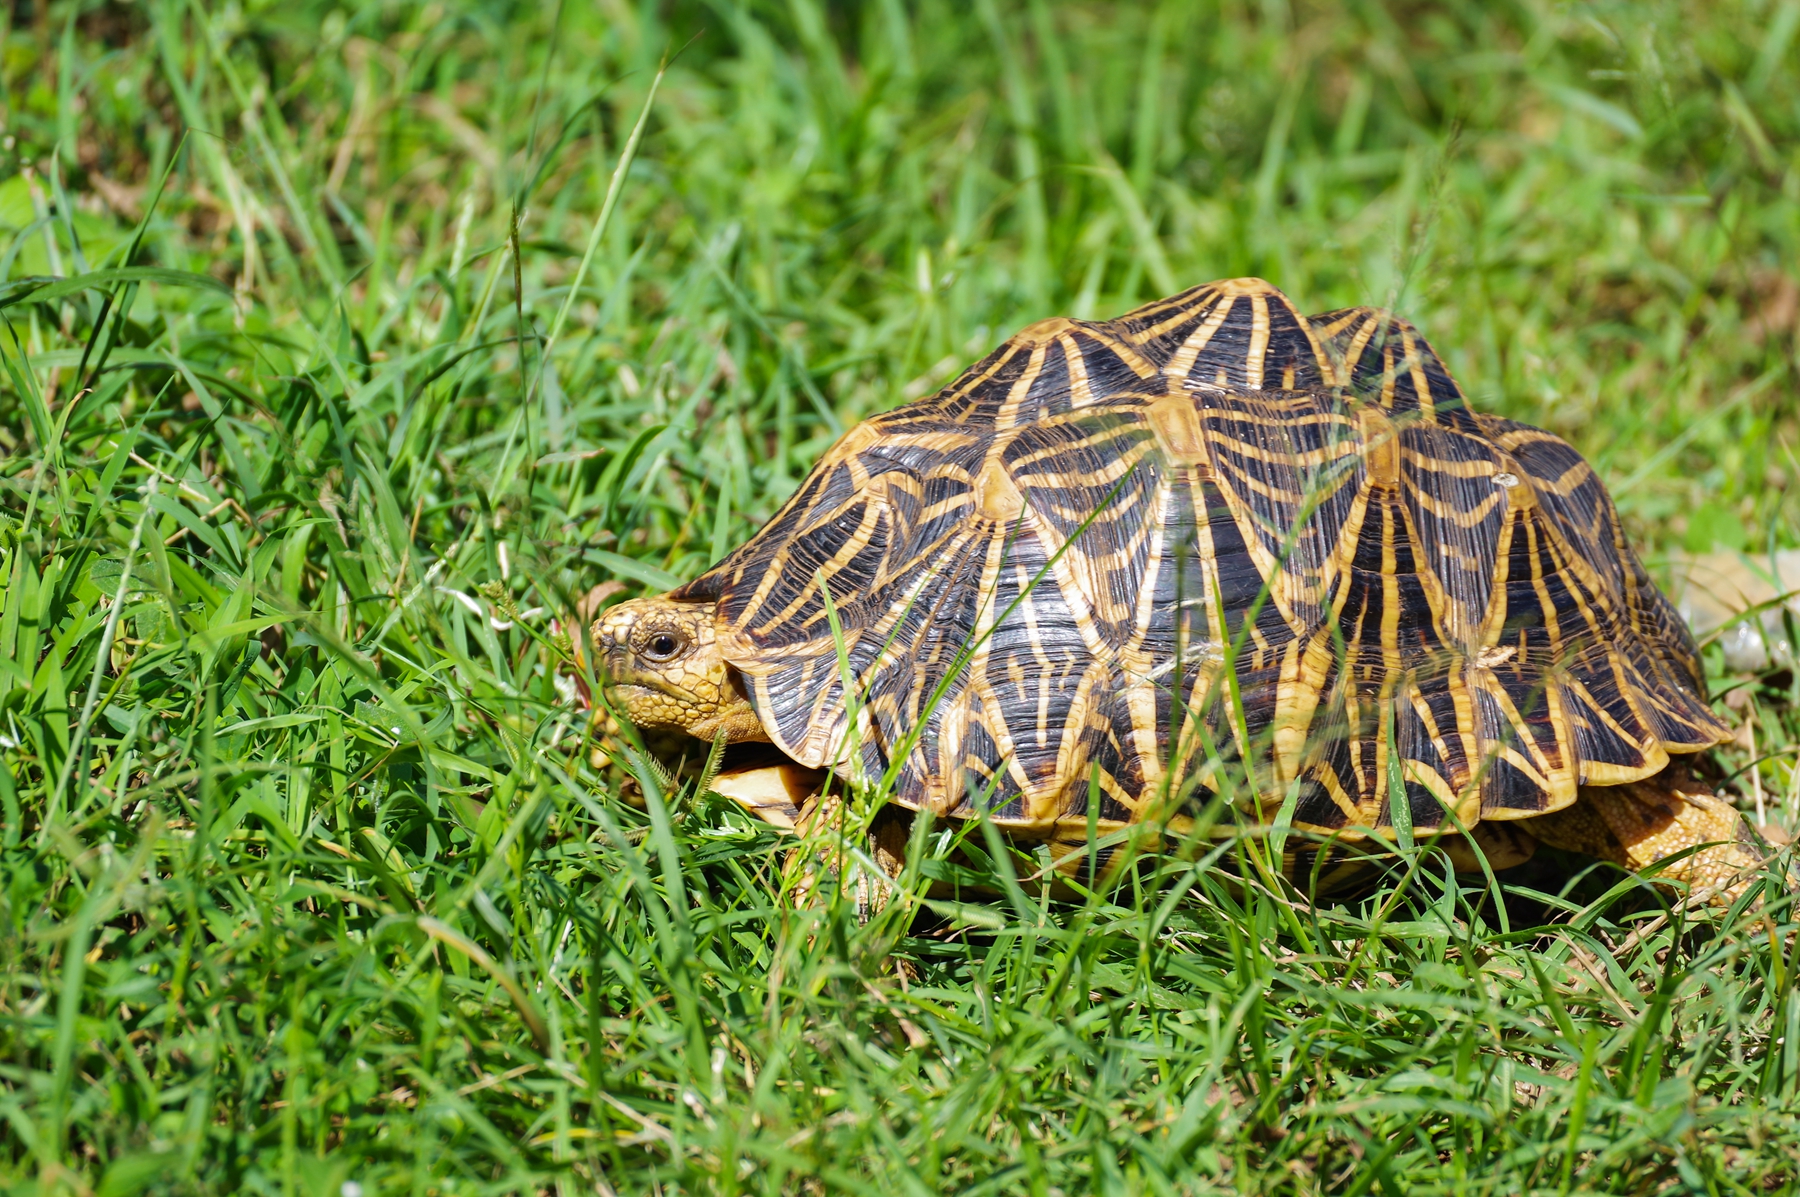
307	876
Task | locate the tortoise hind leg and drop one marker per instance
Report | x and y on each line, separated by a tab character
1640	823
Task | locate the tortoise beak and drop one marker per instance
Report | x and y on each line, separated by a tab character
615	662
612	664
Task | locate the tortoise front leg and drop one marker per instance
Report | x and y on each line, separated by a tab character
822	818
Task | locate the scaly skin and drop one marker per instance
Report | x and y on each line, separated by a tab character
1639	824
663	668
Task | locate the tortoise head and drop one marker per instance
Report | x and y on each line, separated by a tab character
662	664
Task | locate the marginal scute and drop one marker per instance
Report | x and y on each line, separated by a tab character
1115	563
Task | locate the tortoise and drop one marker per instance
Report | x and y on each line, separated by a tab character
1113	558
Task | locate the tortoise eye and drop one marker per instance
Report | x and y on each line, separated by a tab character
664	646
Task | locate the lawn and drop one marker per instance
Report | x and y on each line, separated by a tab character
398	334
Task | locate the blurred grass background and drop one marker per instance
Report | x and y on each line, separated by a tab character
307	879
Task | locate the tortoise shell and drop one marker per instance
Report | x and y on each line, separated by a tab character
1114	556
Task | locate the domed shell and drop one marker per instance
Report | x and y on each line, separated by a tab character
1113	556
